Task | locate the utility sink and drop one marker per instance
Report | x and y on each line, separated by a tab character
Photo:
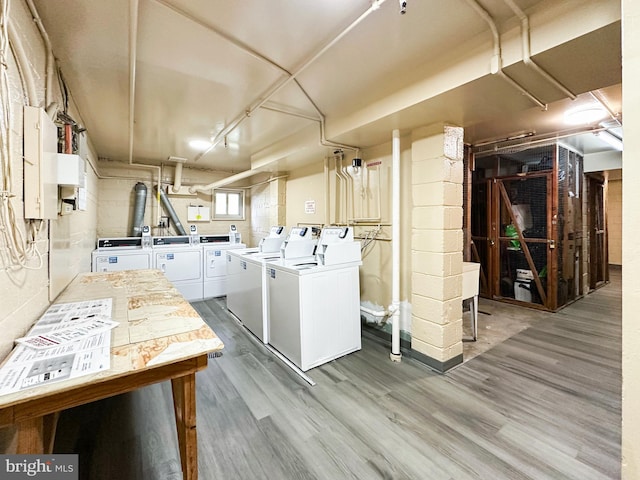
470	279
470	289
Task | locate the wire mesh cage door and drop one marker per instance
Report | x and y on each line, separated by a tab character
524	243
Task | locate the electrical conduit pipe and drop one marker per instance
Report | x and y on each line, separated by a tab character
171	211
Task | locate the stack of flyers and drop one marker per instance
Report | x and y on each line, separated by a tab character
71	333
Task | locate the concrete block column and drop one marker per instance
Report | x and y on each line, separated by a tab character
436	245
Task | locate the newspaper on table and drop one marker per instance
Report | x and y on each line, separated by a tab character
68	341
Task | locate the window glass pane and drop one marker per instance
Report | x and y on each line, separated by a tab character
234	204
221	203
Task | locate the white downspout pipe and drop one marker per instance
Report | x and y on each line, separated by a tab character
395	354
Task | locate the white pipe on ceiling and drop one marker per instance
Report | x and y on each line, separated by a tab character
496	63
526	50
395	354
261	102
133	54
177	174
223	181
283	83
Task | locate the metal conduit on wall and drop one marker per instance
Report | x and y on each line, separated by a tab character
166	203
138	209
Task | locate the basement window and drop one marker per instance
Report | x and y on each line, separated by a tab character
228	204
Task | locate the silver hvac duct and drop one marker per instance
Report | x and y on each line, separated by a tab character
170	210
138	209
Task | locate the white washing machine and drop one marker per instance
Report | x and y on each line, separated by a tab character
214	249
115	254
314	306
247	297
180	259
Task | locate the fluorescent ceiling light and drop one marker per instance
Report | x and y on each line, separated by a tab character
584	114
611	139
200	144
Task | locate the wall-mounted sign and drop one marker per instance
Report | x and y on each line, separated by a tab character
310	206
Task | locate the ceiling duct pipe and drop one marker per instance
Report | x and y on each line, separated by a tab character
177	224
138	209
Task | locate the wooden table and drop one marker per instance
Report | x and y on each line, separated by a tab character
159	337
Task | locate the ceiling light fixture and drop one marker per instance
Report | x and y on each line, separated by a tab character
584	114
199	145
608	137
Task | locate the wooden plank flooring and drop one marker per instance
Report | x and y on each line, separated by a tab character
545	404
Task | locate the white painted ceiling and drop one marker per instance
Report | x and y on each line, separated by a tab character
228	70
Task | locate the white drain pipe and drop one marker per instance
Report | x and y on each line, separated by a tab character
395	354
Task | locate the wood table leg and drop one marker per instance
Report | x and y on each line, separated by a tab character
49	425
184	404
30	436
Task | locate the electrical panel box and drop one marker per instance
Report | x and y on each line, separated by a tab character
40	165
70	170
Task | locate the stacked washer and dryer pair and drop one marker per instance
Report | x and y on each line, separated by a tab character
195	264
306	303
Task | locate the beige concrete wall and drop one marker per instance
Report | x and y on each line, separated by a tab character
25	291
630	244
371	201
614	218
268	208
306	185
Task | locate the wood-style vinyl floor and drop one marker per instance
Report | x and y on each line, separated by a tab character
545	404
